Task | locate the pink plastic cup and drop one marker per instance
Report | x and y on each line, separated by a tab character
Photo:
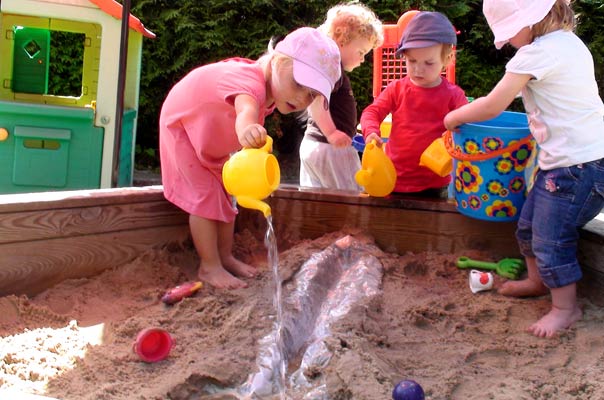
153	344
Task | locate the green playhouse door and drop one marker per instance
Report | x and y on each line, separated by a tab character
30	62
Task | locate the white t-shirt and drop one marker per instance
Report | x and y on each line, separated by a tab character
565	112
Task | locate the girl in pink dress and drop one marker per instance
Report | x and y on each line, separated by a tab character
217	109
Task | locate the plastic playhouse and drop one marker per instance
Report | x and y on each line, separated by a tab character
63	141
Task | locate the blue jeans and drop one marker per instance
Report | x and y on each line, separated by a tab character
561	201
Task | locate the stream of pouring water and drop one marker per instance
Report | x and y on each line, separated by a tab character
326	287
270	241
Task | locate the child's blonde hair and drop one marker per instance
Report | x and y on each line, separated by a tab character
346	22
271	54
561	16
446	54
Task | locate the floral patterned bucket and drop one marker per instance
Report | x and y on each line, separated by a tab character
489	159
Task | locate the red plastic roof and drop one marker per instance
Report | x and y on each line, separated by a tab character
114	9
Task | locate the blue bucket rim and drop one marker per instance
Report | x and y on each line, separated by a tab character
482	124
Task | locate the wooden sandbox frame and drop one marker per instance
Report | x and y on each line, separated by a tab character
46	238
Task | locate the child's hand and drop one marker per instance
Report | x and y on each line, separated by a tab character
450	122
376	137
339	139
254	135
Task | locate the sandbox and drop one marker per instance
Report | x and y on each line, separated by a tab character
82	274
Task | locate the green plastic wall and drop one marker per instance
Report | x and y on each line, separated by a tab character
126	148
49	148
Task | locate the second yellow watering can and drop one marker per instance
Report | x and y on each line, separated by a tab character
377	174
437	158
251	175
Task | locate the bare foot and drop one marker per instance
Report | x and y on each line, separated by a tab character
239	268
557	319
523	288
220	278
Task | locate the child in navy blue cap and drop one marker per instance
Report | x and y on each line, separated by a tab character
418	103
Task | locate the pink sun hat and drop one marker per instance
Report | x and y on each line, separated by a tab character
316	59
507	17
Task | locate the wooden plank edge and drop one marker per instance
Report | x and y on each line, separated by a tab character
29	268
78	198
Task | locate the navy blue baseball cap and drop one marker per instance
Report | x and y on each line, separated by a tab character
426	29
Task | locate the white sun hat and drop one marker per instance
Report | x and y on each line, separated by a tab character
507	17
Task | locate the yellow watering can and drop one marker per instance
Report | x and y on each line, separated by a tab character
251	175
437	158
377	174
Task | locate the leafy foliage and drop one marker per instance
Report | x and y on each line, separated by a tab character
195	32
66	63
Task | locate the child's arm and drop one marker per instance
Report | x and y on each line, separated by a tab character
370	124
324	121
249	132
491	105
373	115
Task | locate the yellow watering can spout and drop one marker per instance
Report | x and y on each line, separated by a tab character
363	177
254	204
251	175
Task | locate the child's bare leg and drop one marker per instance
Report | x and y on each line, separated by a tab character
225	250
205	234
529	287
564	313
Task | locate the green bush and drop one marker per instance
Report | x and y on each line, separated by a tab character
195	32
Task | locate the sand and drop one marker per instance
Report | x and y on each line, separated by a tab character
75	340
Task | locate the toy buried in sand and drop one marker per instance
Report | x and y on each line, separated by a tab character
377	174
179	292
251	175
408	390
510	268
480	281
153	344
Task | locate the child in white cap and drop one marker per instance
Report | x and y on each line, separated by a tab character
327	158
418	103
554	70
216	110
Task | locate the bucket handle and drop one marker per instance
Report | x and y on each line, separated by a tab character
455	153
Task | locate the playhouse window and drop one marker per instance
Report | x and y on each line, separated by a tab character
41	144
66	63
48	62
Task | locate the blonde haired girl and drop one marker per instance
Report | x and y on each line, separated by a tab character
554	70
327	158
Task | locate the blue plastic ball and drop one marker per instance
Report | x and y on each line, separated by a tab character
408	390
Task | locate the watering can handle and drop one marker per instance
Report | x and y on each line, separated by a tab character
373	143
455	153
267	146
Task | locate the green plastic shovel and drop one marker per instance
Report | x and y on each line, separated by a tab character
510	268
